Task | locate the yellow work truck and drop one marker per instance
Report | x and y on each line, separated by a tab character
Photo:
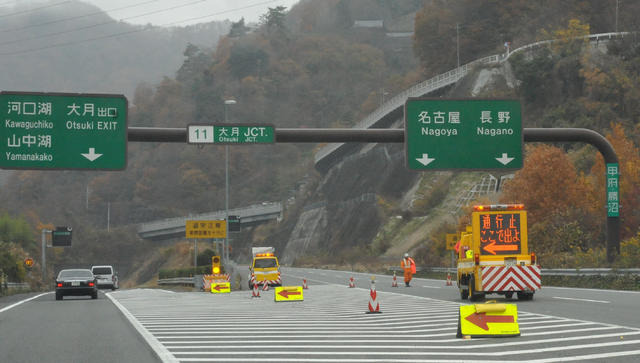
264	268
493	254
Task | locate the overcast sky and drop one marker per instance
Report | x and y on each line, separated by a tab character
172	12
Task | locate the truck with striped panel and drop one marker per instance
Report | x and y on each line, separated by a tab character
493	254
264	268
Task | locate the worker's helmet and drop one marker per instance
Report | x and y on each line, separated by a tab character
406	255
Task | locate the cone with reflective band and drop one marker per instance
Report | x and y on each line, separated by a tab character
374	307
449	279
265	286
304	284
352	283
255	292
394	283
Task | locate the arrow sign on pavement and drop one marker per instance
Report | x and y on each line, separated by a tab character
493	247
92	154
425	159
222	287
505	159
286	294
481	319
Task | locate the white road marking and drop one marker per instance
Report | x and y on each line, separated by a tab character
23	301
432	287
586	300
162	352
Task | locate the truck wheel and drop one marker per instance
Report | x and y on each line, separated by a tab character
523	296
473	295
464	293
508	294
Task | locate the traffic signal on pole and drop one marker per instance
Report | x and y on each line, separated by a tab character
215	265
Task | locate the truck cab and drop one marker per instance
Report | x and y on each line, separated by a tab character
493	254
264	268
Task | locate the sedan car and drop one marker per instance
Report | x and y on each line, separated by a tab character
76	282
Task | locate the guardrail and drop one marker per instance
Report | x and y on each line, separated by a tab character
550	271
177	281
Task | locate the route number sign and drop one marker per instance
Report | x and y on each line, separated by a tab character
468	134
63	131
231	134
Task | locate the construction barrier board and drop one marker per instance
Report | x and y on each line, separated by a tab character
288	293
220	287
488	320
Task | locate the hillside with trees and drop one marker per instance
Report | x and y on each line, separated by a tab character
311	66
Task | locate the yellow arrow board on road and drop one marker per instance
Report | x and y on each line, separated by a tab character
488	320
220	287
288	293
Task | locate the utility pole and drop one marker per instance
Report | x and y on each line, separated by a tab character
225	244
617	16
458	43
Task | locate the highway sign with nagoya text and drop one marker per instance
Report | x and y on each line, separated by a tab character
231	134
470	134
63	131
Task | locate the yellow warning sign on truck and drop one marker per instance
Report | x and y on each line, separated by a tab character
220	287
487	320
288	293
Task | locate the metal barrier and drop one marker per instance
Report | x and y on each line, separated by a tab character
177	281
549	271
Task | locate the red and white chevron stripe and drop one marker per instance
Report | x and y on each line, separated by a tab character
510	278
270	282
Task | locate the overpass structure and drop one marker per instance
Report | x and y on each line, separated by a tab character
175	227
392	111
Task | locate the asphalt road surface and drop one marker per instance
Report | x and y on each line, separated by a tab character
417	324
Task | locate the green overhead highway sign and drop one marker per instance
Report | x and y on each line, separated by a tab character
470	134
231	134
63	131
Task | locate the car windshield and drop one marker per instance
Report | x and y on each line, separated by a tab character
265	263
102	270
66	274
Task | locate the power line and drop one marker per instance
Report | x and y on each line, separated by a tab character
34	9
58	45
49	35
76	17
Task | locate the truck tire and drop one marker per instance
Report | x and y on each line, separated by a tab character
524	296
508	294
473	295
464	293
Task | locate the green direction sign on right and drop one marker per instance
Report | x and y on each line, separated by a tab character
63	131
470	134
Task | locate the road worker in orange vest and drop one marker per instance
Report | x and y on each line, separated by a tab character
409	267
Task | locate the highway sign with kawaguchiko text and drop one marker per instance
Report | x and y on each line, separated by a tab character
63	131
470	134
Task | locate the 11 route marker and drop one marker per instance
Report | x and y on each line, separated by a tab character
470	134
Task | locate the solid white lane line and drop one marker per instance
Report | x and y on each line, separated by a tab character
432	287
586	300
23	301
405	353
162	352
588	356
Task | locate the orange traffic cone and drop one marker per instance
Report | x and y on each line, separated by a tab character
449	279
394	283
265	286
255	292
304	284
352	282
374	307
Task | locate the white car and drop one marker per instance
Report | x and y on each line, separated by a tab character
106	277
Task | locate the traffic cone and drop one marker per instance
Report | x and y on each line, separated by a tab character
256	292
449	279
394	283
304	284
352	282
265	286
374	307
